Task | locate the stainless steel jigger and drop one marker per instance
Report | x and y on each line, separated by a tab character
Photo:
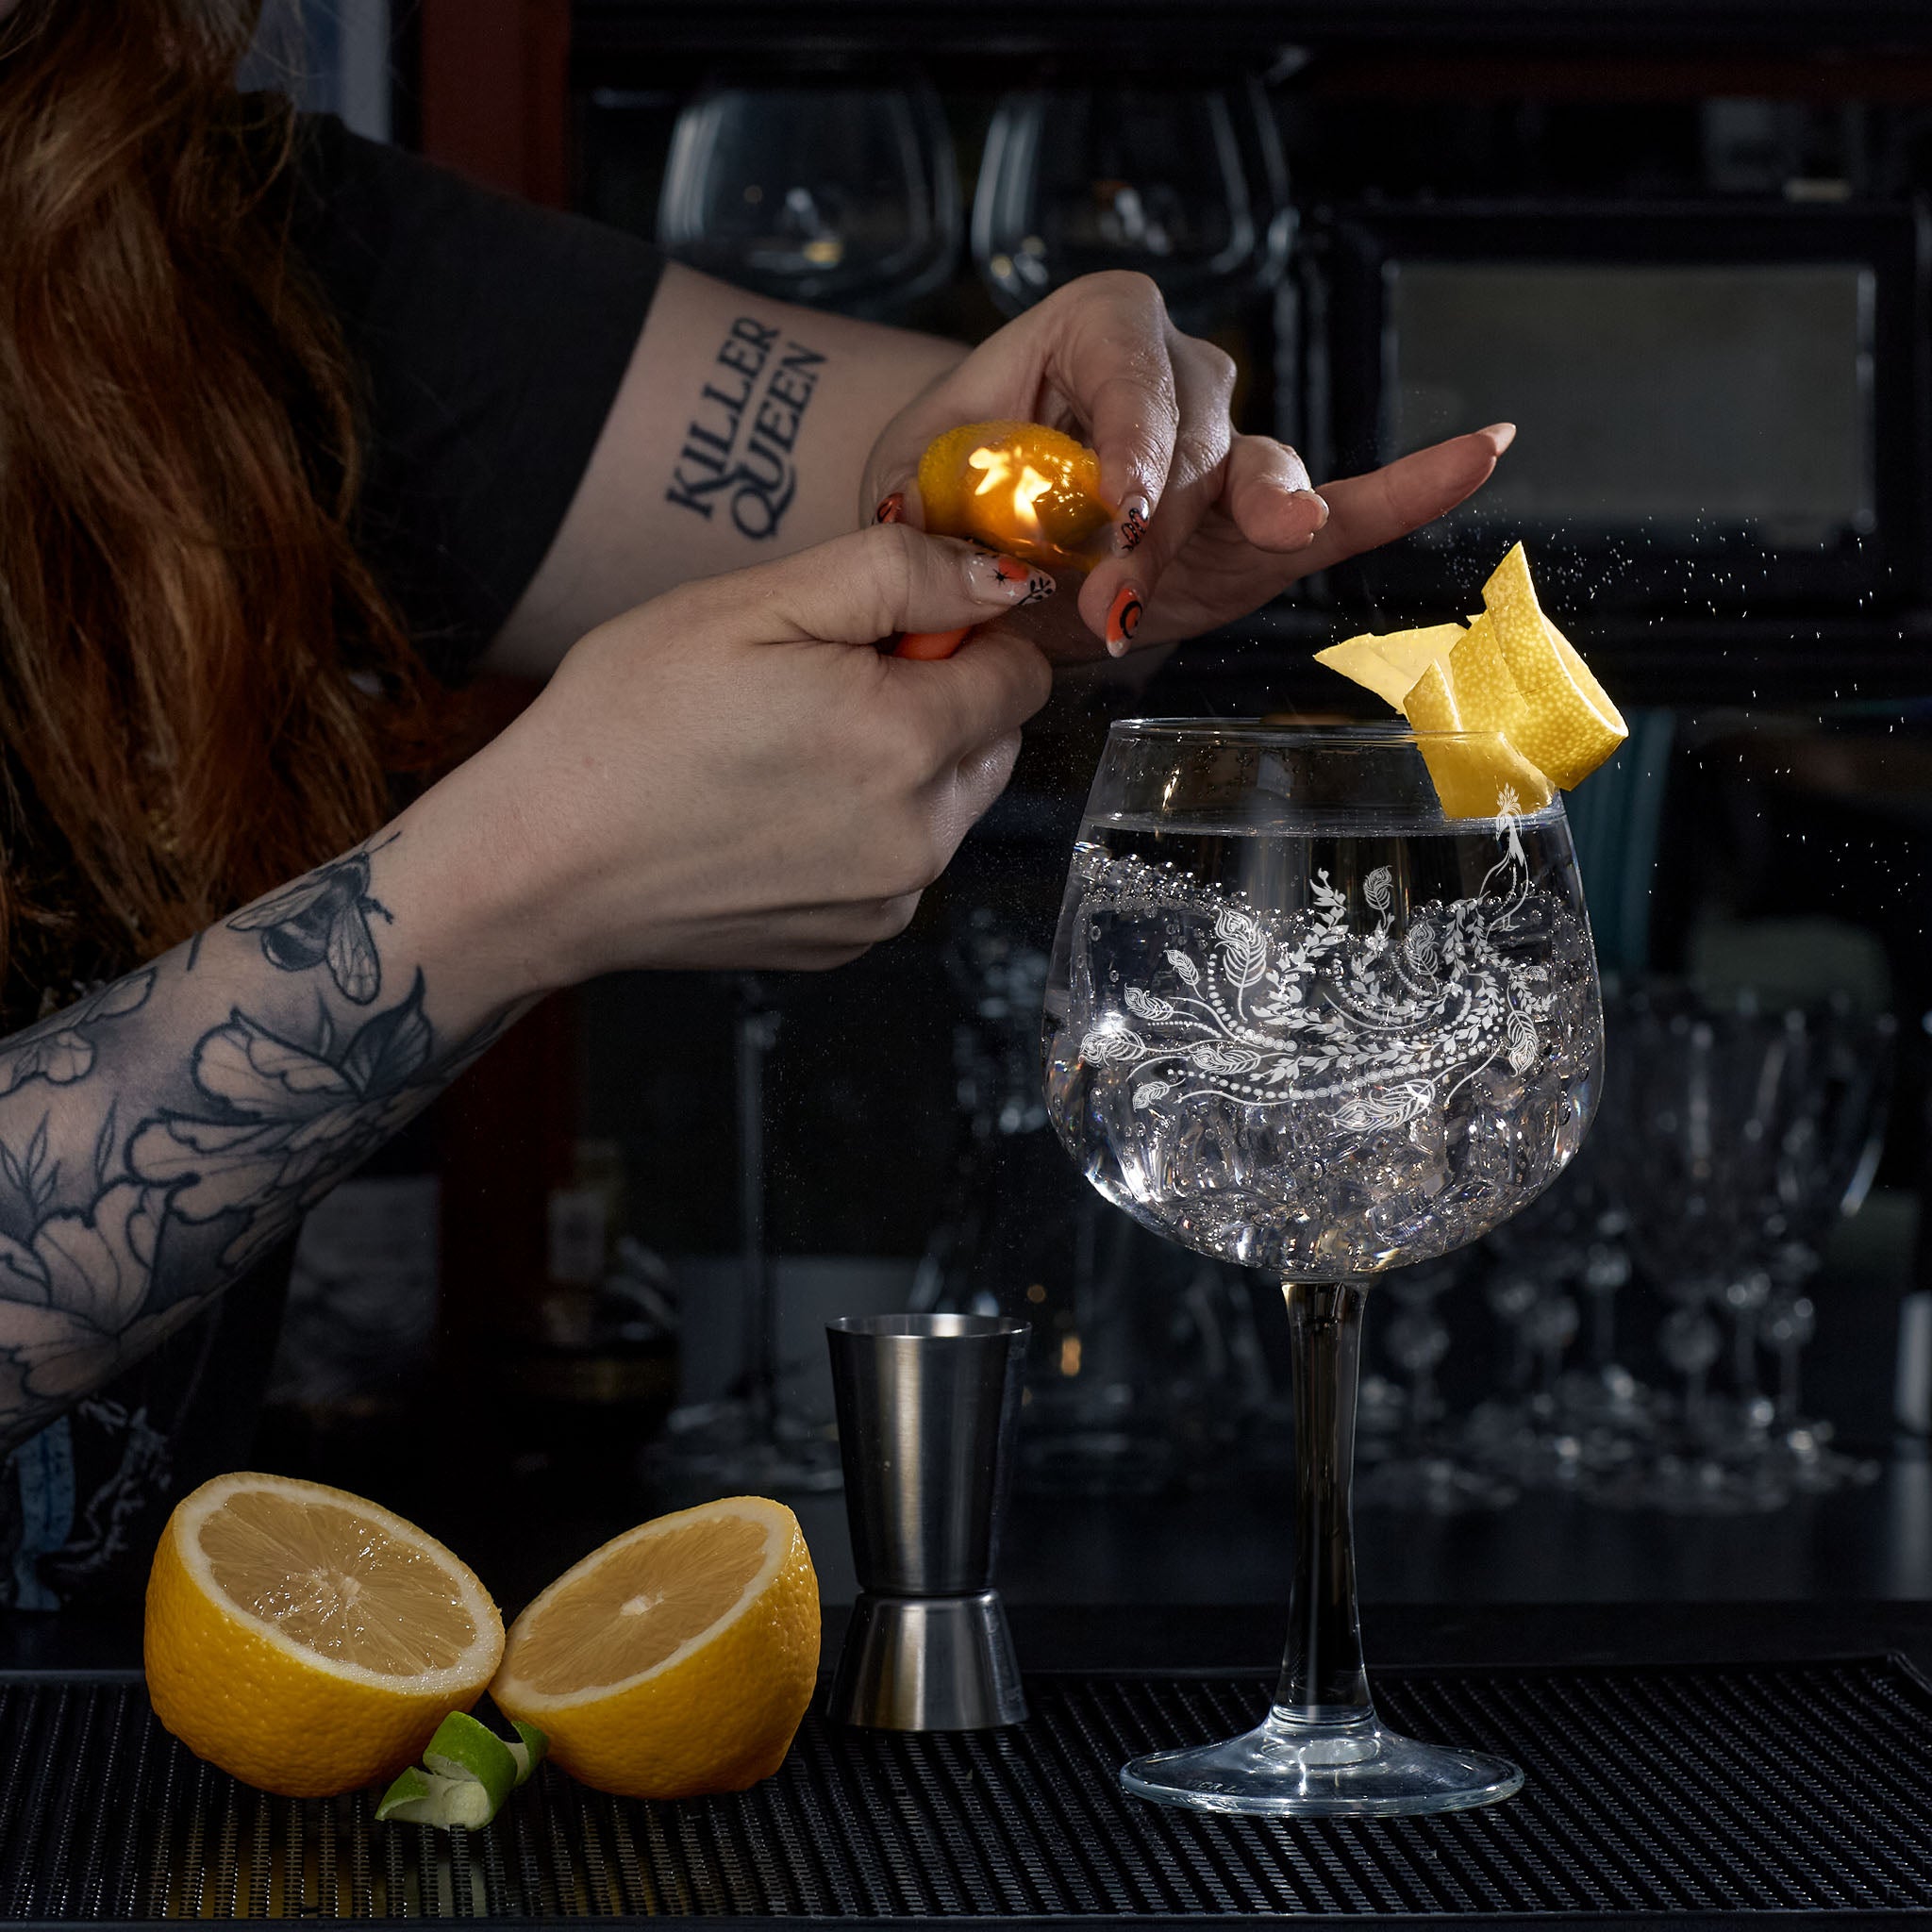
928	1406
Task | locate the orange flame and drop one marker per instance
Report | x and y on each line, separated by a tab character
1026	484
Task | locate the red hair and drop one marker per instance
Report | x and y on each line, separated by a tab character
203	691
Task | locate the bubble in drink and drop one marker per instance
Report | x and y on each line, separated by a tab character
1326	1053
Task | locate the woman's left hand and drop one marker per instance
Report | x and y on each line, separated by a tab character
1213	524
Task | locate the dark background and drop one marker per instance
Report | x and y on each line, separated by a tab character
1787	756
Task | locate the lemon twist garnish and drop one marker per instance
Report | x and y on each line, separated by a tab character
1511	675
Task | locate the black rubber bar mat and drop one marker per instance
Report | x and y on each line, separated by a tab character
1744	1793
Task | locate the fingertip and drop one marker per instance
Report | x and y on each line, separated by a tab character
1097	594
1500	436
1123	618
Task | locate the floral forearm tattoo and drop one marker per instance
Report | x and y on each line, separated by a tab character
162	1162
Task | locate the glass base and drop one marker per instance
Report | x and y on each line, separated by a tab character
1289	1768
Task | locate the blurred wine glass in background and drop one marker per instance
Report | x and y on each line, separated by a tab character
835	188
1143	1369
1184	182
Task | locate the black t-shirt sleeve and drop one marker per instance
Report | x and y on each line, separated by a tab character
491	337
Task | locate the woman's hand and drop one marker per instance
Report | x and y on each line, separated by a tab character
1213	524
732	775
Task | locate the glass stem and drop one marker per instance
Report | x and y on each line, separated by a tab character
1323	1679
1603	1328
1787	1382
1744	1354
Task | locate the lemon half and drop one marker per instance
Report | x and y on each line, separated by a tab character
676	1659
307	1640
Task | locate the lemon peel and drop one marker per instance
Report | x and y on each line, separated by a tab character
1019	486
1510	675
1389	666
1569	726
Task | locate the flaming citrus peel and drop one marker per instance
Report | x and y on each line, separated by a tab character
1022	488
1511	675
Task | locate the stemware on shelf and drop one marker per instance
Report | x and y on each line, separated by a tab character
1693	1126
1827	1164
1143	1370
1423	1469
1556	1272
836	186
1298	1021
749	1443
1183	180
1738	1136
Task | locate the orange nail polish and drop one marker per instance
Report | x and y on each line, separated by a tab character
893	510
930	645
1124	617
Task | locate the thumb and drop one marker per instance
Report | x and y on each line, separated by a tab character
859	589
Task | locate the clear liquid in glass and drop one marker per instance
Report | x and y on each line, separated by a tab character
1328	1051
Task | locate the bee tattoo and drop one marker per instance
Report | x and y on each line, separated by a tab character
324	920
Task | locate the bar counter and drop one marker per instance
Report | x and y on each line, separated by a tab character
1743	1736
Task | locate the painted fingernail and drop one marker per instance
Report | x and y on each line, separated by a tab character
1123	618
1007	580
1132	526
893	510
1504	434
932	644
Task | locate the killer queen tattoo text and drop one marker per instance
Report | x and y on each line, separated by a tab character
738	450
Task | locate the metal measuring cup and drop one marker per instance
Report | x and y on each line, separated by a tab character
928	1406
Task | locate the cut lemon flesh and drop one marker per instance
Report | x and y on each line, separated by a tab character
1511	675
308	1641
1021	487
678	1658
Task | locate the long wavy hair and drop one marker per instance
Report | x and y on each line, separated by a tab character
202	690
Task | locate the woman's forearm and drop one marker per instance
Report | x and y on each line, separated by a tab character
160	1134
728	777
739	435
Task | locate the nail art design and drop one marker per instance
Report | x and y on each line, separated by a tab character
1024	583
1124	617
1132	526
893	510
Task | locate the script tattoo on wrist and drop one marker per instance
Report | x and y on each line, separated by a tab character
738	448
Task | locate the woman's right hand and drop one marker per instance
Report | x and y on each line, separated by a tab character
734	776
